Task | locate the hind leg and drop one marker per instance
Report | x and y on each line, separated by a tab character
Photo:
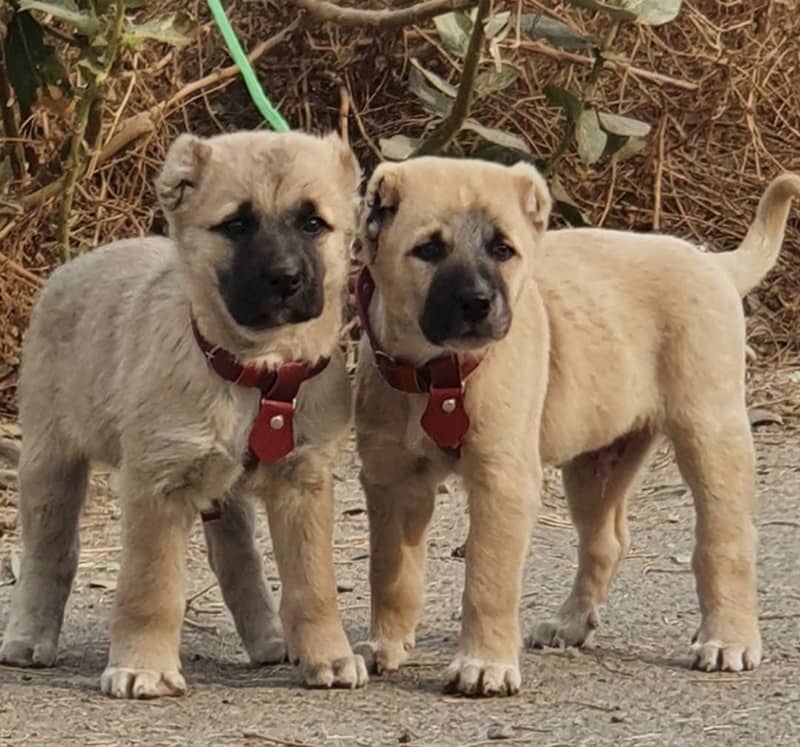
716	459
597	486
52	491
238	567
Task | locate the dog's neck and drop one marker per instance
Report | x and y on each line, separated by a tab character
271	348
396	337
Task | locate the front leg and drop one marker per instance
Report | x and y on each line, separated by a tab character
400	498
144	660
503	501
300	510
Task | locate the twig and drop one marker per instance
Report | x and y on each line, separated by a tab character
564	56
273	740
662	129
33	280
441	137
384	19
87	126
16	151
344	111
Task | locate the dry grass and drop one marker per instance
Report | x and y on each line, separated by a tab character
710	153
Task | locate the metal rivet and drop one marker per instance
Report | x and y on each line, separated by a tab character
449	405
276	422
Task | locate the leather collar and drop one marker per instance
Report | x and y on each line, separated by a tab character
272	435
445	418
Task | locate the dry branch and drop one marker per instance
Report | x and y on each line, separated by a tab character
564	56
325	11
442	136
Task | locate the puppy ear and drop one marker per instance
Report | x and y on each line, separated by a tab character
347	158
380	204
534	194
182	170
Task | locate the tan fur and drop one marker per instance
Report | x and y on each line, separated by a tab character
616	339
111	372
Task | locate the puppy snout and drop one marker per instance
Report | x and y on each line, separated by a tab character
475	307
285	281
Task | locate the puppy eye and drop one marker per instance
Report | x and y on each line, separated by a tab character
500	251
236	226
314	225
429	251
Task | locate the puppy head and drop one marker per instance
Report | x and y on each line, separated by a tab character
451	244
263	222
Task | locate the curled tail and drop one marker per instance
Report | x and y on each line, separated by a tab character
759	250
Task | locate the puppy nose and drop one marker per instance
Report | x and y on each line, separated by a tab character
476	306
285	283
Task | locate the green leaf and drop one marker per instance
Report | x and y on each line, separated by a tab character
568	101
656	12
614	12
496	23
492	81
31	64
454	30
591	138
446	88
498	137
398	147
539	26
632	146
169	29
619	125
434	101
564	205
65	10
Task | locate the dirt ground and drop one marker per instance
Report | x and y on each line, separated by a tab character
633	687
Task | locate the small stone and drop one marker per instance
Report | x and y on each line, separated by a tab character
618	719
500	731
459	552
405	738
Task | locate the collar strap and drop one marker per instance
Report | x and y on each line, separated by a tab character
272	435
445	418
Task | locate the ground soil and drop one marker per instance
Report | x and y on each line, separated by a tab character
633	687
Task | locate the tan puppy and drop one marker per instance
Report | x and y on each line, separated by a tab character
177	361
588	345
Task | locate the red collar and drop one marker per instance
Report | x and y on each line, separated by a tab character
445	419
272	435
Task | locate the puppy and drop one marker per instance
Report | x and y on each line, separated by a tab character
494	347
178	362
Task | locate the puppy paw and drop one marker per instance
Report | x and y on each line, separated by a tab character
267	650
713	653
480	677
140	684
346	672
27	652
383	656
575	628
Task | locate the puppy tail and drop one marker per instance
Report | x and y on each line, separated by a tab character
759	251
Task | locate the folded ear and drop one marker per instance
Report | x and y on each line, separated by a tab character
534	194
182	170
380	204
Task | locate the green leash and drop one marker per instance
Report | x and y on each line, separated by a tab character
263	104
